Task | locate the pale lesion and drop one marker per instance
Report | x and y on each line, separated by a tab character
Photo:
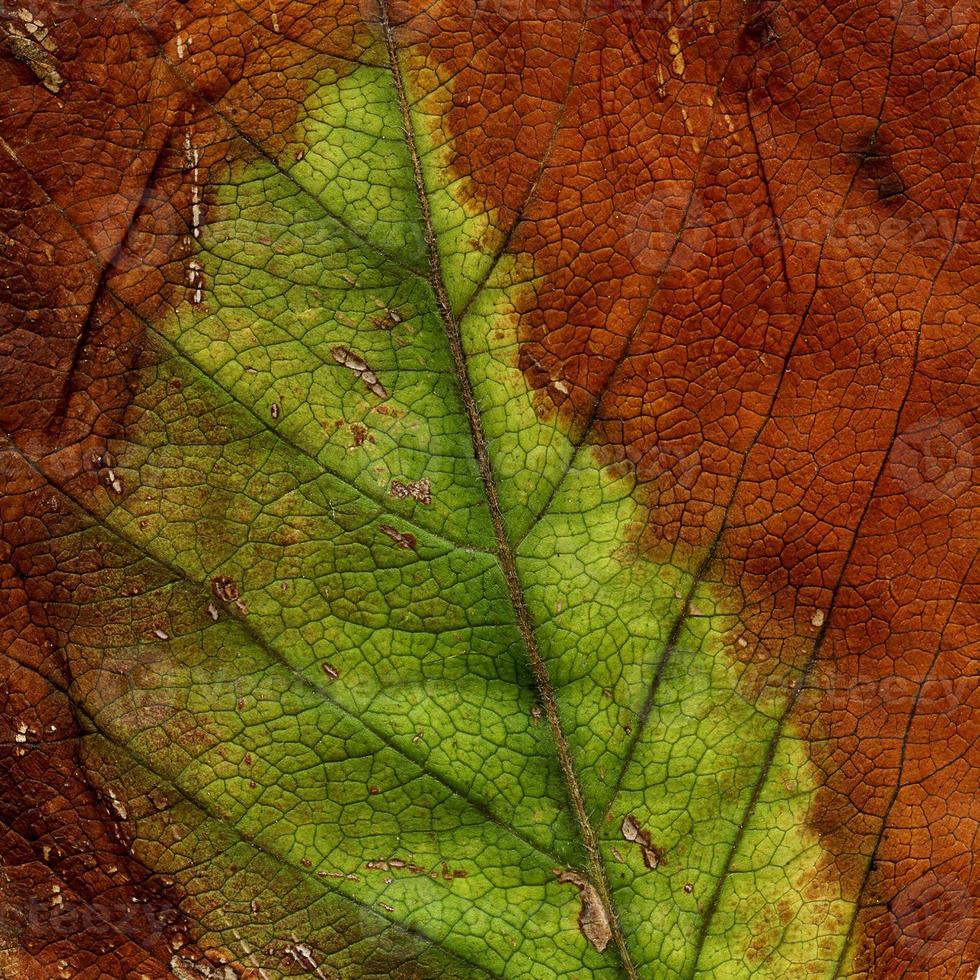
30	42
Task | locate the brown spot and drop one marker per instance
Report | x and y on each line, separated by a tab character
225	589
386	320
185	968
877	165
401	538
359	432
358	365
302	953
592	919
891	186
759	28
399	864
632	833
419	490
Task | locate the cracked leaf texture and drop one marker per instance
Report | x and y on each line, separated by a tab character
489	489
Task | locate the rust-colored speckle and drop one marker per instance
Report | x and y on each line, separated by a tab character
403	539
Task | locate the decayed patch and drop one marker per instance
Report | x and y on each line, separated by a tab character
30	42
592	918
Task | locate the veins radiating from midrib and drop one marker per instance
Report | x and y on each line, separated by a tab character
178	573
505	555
209	810
896	790
529	197
151	38
359	236
104	287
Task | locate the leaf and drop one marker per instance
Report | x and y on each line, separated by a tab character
490	490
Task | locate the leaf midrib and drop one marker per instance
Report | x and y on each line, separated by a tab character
505	554
506	558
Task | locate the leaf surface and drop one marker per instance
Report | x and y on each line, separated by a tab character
490	491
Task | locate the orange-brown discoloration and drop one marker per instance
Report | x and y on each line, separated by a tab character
75	902
757	237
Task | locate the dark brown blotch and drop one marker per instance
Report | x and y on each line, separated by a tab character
876	164
759	30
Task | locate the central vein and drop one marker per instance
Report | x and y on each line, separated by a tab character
505	552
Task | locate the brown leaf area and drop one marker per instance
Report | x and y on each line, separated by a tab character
757	231
74	902
756	227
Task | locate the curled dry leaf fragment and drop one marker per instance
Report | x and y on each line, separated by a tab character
592	918
352	362
634	834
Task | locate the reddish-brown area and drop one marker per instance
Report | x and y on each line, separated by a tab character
757	231
95	198
74	903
